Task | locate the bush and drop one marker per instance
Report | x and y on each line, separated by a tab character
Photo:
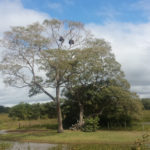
91	124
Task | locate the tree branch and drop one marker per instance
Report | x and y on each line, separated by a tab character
44	91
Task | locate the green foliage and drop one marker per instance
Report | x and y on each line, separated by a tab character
115	105
121	109
19	111
5	146
48	110
4	109
91	124
24	111
69	113
35	89
146	103
99	85
91	147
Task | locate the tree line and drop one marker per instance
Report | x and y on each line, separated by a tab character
114	115
146	103
4	109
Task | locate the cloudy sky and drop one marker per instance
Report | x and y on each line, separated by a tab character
125	24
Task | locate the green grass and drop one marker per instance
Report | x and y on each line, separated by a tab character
146	116
99	137
5	146
7	123
46	131
91	147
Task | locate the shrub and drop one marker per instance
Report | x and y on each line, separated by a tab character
91	124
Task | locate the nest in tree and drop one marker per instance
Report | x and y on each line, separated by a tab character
61	39
71	41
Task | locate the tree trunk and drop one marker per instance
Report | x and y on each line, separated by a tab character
59	115
81	121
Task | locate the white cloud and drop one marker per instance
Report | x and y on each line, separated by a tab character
131	45
12	13
144	91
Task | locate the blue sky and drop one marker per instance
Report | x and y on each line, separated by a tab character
97	11
125	24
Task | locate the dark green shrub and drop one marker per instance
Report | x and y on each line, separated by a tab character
146	103
69	113
91	124
4	109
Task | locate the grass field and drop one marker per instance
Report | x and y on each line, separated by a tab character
99	137
8	124
146	116
46	131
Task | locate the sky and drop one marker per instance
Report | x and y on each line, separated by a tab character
125	24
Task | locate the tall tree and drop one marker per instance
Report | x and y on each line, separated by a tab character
35	57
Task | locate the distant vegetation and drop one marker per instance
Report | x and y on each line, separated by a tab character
146	103
4	109
24	111
115	114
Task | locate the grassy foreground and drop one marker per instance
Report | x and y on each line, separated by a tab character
7	123
99	137
46	131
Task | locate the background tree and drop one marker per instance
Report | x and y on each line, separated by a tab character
25	111
95	68
124	107
146	103
4	109
20	111
114	105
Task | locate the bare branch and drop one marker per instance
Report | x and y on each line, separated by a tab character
44	91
